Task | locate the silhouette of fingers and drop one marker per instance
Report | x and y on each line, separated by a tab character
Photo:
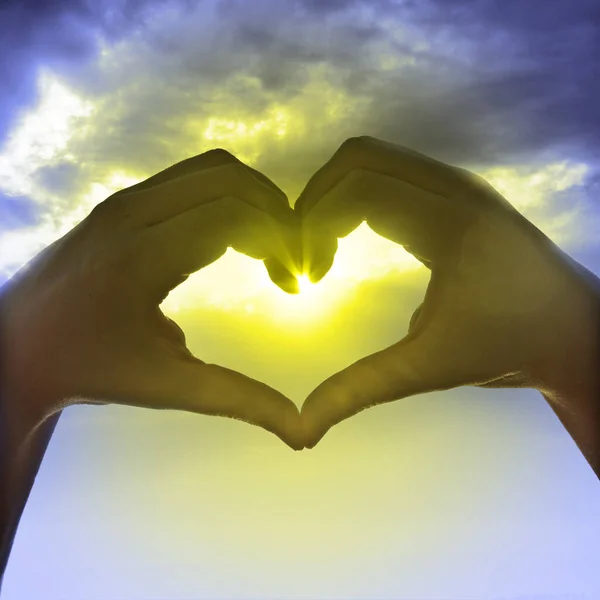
417	364
166	200
175	381
424	222
382	157
169	251
212	158
200	180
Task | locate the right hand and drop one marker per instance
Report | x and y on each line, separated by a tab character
502	302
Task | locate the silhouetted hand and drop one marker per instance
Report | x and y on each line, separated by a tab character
82	320
504	306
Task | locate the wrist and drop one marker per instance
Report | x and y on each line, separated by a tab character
23	381
569	375
569	362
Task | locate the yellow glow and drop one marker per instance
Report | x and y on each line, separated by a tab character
236	282
42	137
304	284
247	135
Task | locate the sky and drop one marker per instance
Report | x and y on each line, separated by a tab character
468	493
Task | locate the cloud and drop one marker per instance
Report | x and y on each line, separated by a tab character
533	72
474	82
283	84
61	35
556	197
17	212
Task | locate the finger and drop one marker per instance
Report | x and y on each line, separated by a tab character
185	383
212	158
163	201
285	268
167	253
425	223
282	276
319	245
383	157
414	365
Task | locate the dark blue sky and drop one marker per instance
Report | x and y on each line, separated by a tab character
478	83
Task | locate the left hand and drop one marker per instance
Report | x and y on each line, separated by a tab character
82	322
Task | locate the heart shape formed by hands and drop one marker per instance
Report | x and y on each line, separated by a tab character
91	299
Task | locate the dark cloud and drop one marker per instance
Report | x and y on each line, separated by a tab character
142	123
498	82
327	6
532	80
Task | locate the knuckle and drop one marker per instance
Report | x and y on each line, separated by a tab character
366	139
353	144
230	203
113	210
357	175
472	178
240	179
221	153
104	209
232	210
355	183
237	172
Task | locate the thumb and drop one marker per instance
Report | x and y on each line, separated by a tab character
186	383
415	365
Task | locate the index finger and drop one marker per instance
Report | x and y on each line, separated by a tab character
212	158
386	158
426	224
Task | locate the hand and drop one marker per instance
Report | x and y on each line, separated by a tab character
83	321
504	305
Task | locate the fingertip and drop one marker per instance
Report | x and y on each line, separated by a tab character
317	271
318	257
310	445
281	276
312	439
289	285
292	432
314	426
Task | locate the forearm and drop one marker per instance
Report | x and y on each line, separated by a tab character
575	399
571	384
21	453
26	427
582	420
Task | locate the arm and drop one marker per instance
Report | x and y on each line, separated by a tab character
24	437
81	322
505	307
571	383
20	457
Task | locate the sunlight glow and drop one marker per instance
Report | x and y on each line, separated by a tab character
304	284
247	135
237	282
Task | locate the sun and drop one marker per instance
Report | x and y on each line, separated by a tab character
305	285
241	284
